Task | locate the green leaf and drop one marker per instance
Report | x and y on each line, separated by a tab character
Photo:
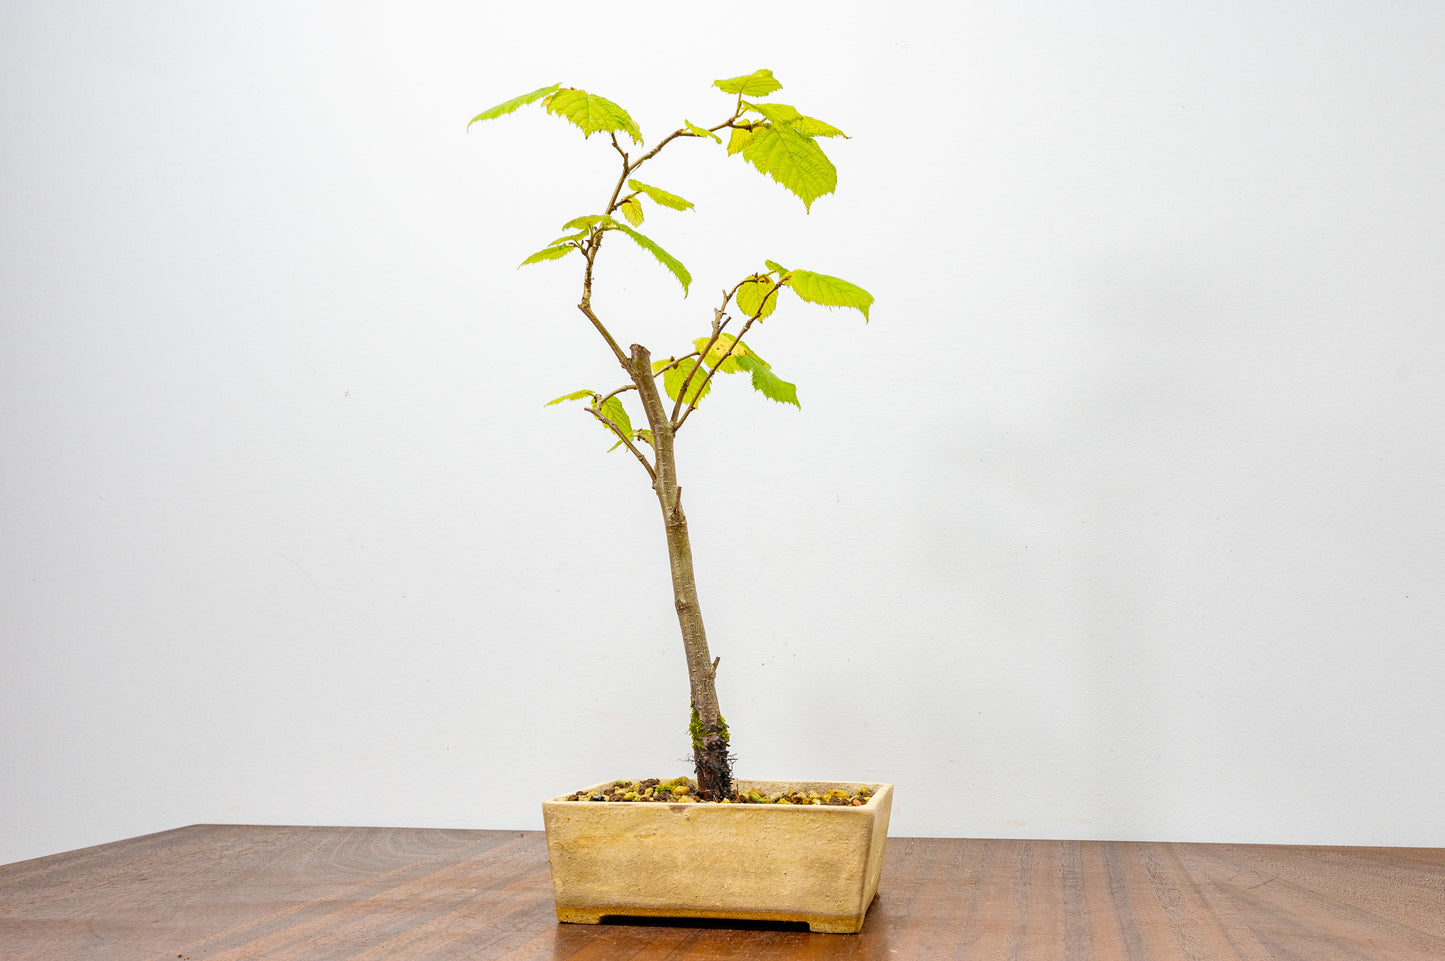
697	389
697	131
631	209
784	115
613	410
759	83
503	109
575	395
793	160
570	238
591	113
660	197
767	383
752	296
548	253
776	267
739	139
830	291
726	349
663	257
583	222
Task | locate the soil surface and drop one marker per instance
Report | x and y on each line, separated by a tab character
684	790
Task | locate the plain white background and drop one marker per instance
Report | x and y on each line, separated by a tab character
1123	518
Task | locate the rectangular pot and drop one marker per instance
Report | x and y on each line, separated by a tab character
773	862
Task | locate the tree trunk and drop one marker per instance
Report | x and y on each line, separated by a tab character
709	731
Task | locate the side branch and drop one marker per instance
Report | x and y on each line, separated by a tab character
627	441
586	309
714	367
717	331
719	321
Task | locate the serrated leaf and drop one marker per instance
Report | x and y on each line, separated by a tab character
570	238
663	257
631	209
830	291
726	349
784	115
739	138
776	267
548	253
759	83
659	364
583	222
697	131
658	196
613	410
752	296
698	388
767	383
575	395
591	113
793	160
503	109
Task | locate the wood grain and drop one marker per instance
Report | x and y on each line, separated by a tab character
224	893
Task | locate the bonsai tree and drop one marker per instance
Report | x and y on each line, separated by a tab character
783	143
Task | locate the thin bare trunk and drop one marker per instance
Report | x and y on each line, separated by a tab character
710	737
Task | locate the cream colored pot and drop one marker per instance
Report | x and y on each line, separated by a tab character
774	862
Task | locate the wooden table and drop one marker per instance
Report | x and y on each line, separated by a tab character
219	893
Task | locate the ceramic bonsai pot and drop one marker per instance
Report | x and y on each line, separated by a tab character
817	864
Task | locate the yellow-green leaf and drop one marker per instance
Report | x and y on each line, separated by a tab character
830	291
793	160
752	296
570	238
613	410
658	196
769	384
697	131
663	257
739	139
723	354
759	83
502	109
583	222
632	210
591	113
548	253
575	395
697	388
784	115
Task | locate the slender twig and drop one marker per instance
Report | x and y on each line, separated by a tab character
621	390
671	363
731	347
627	169
677	425
686	133
586	308
622	436
719	322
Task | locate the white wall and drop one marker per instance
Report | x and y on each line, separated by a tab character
1123	518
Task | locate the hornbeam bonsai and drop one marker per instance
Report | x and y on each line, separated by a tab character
783	143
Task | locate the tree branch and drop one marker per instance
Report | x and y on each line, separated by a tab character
736	340
719	321
621	436
586	308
